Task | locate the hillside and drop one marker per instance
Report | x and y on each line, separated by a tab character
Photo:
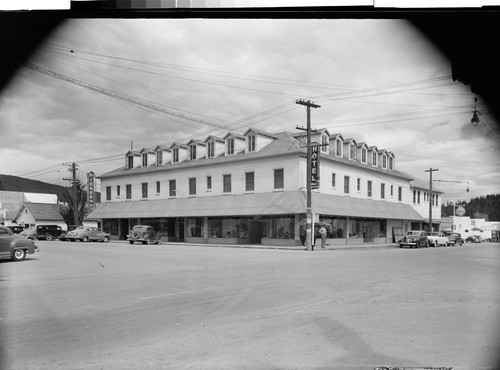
15	183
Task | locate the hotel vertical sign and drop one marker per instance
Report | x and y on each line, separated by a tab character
90	184
314	166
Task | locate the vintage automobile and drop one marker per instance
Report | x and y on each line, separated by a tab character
15	246
144	234
415	238
454	238
48	232
473	239
16	229
436	239
86	234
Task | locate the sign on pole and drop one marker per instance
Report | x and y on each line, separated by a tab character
90	183
314	167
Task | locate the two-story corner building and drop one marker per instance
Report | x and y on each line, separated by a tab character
251	188
421	197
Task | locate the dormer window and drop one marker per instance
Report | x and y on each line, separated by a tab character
211	149
338	147
251	143
192	152
384	161
159	158
391	163
363	155
130	162
374	158
175	155
230	146
324	143
145	160
352	152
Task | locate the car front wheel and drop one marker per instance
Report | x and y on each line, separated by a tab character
85	239
19	255
105	239
48	237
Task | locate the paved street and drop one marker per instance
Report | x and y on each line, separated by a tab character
119	306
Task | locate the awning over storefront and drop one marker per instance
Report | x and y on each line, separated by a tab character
357	207
276	203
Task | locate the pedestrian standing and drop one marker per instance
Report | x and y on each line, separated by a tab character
322	233
302	233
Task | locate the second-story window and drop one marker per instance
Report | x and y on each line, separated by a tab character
358	186
279	179
117	190
400	193
392	190
145	160
369	188
230	146
192	186
175	155
249	181
382	191
251	143
172	190
158	187
108	192
192	152
211	149
209	182
144	190
334	180
414	196
128	191
226	181
346	184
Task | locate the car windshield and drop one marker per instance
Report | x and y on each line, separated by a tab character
413	233
79	228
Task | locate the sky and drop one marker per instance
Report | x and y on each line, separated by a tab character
378	81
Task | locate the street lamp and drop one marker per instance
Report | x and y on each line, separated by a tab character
475	119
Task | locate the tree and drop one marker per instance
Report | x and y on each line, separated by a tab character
68	212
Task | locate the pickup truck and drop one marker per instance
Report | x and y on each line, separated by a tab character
436	239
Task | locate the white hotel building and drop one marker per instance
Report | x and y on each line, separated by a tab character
250	188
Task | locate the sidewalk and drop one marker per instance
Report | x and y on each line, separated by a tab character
296	248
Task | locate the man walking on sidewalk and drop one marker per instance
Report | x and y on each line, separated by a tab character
322	233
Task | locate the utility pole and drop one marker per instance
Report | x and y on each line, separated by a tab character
430	170
308	105
73	181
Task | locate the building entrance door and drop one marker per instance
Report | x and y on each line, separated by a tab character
255	230
123	229
181	229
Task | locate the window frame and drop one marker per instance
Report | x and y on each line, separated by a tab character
226	183
369	188
277	179
172	188
249	183
128	191
144	190
192	186
347	184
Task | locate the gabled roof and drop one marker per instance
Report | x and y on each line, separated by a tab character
260	133
372	148
147	150
43	211
336	136
215	138
161	147
235	135
133	152
362	143
178	145
196	141
350	140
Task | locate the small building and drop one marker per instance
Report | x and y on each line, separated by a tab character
34	214
467	226
11	201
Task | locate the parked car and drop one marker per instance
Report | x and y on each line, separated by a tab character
415	238
456	238
144	234
86	234
15	246
436	239
473	239
62	237
48	232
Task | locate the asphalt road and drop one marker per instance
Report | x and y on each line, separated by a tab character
119	306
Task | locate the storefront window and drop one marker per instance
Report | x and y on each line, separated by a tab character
335	227
229	227
111	226
195	227
279	227
358	228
